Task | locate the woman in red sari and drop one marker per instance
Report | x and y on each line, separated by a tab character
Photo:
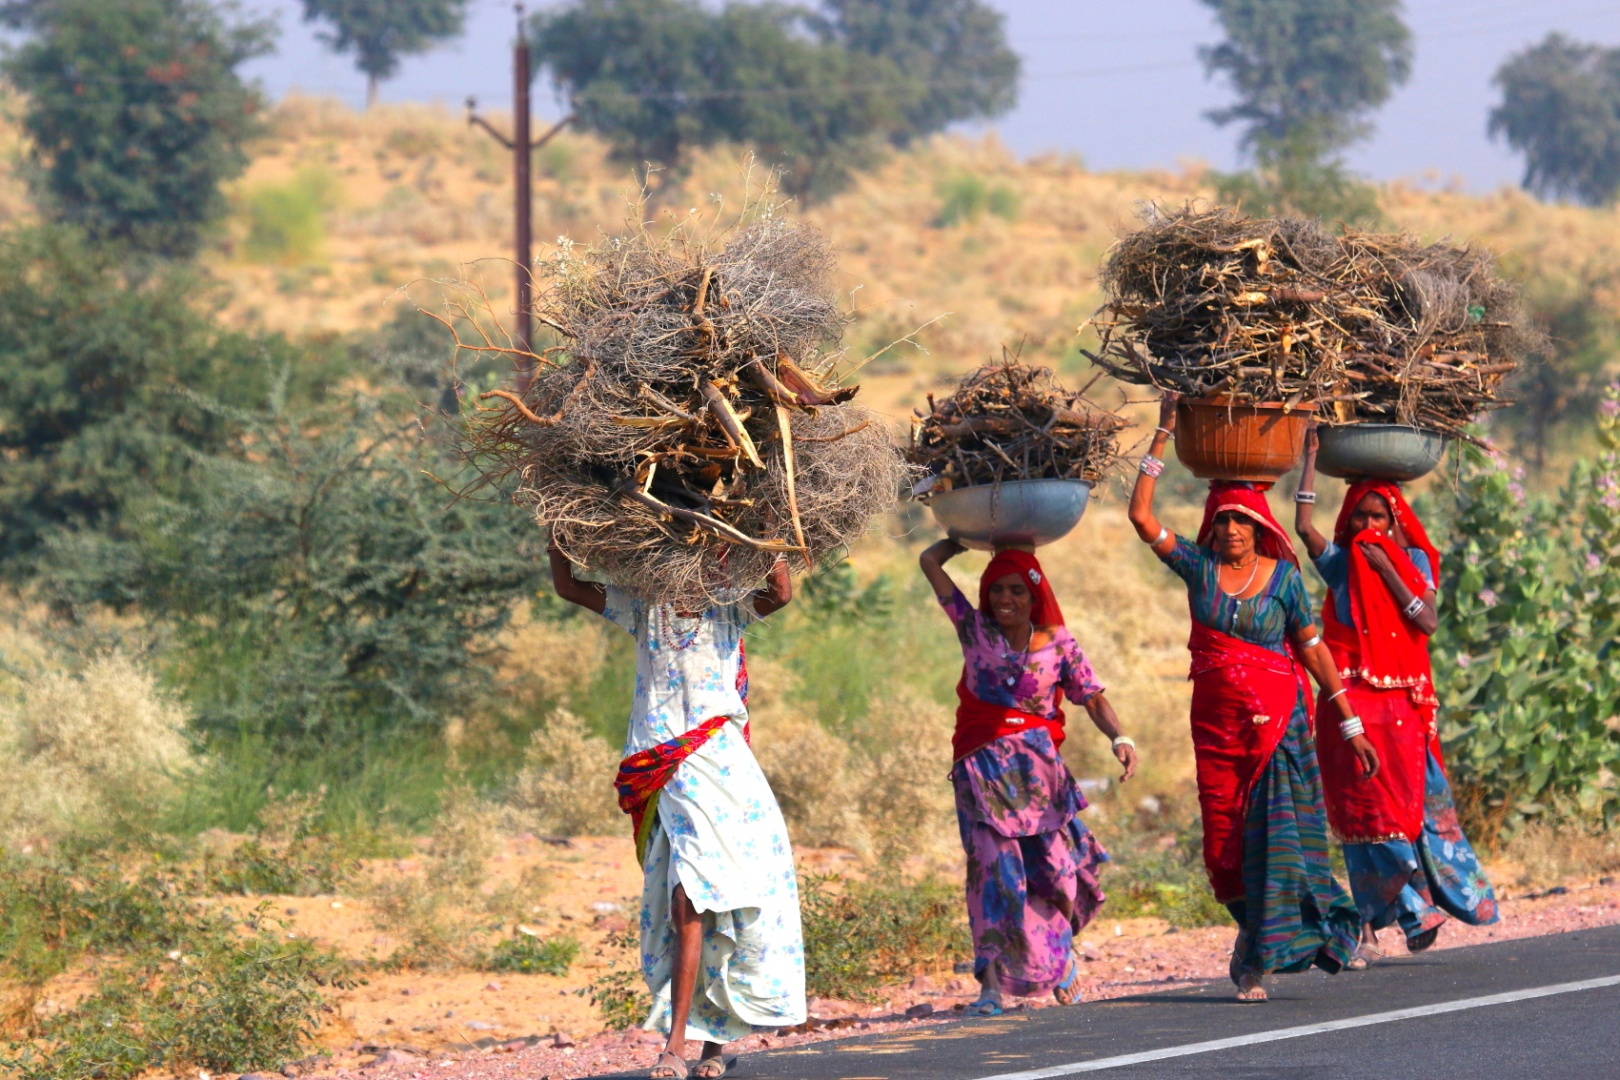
1253	640
1408	859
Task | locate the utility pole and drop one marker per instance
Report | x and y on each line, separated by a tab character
523	148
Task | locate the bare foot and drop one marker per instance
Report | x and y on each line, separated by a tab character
1250	988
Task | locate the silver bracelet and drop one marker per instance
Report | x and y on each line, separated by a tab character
1415	608
1124	740
1305	496
1167	432
1351	727
1340	694
1313	642
1163	534
1150	466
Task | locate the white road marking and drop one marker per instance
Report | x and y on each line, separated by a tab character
1280	1034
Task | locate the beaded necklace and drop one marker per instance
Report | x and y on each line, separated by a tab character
673	639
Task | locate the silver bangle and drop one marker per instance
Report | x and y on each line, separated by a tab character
1305	496
1167	432
1124	740
1415	608
1313	643
1340	694
1163	534
1351	727
1150	466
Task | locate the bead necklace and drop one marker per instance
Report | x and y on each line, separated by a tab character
665	615
1023	658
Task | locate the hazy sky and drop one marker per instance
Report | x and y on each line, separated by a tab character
1116	81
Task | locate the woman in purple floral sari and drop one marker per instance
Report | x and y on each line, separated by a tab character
1031	864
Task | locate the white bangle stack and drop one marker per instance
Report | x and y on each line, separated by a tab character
1351	727
1124	740
1415	608
1306	497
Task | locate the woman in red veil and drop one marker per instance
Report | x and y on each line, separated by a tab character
1409	862
1253	640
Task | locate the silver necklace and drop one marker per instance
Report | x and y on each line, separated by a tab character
1023	657
1245	586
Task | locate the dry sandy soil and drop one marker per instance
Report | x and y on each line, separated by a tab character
464	1026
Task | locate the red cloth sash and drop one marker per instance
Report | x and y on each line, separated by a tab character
978	723
643	775
1243	696
1390	805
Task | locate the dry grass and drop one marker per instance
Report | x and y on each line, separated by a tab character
565	787
88	752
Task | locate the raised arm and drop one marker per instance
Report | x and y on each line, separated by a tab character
778	591
933	560
587	594
1424	616
1305	508
1141	511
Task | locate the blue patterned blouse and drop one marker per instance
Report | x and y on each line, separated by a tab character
1269	618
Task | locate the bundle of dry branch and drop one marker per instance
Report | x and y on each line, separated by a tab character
1371	327
686	431
1012	422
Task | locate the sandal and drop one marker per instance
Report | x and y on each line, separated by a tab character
712	1068
1250	989
1422	941
1364	955
669	1067
1063	987
985	1006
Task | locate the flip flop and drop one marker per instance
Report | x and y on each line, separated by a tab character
985	1006
1422	941
1364	955
1068	981
669	1067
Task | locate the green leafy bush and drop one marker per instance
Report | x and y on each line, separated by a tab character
620	994
287	222
179	986
1162	875
1526	663
861	935
967	198
529	955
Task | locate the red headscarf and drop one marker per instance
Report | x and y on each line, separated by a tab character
1382	646
1249	500
1399	512
1043	608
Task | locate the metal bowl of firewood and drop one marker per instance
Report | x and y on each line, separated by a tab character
1378	451
1018	513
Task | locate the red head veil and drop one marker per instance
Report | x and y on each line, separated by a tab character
1399	511
1250	501
1043	609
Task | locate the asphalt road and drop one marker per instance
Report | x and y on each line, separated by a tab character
1535	1008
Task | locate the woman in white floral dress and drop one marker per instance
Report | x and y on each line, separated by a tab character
721	946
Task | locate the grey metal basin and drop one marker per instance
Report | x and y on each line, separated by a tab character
1021	512
1383	451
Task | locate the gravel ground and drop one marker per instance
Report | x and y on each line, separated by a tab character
1121	959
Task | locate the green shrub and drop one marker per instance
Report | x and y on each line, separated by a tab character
287	222
179	986
1526	665
1161	875
1003	202
310	866
528	955
620	994
967	198
861	935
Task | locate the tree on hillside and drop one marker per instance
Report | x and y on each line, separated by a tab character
381	32
1308	75
816	92
1561	109
134	112
953	57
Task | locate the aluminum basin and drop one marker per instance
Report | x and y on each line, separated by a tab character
1381	451
1022	512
